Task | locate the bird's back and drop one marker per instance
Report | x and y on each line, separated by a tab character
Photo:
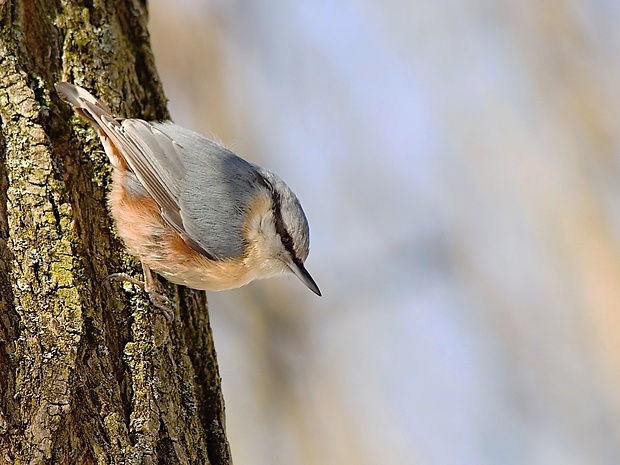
216	191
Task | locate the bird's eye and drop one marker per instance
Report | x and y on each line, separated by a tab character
286	240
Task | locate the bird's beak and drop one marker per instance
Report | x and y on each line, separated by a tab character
300	271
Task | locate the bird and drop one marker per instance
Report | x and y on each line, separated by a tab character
190	209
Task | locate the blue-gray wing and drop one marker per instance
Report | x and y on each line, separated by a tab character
201	188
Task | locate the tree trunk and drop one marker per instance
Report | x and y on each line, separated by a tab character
90	372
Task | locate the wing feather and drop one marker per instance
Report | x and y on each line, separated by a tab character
152	155
156	161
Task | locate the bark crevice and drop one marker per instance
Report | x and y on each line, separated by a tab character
91	373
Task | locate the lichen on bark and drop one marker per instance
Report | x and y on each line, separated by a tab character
91	373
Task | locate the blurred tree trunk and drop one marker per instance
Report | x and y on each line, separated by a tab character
89	371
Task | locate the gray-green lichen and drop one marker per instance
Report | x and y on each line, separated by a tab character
42	263
118	385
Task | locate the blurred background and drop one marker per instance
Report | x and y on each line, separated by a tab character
459	162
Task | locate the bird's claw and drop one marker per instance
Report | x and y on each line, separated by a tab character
159	301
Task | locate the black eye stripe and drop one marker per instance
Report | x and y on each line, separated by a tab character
276	208
285	237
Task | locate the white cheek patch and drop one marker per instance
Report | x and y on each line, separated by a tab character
265	221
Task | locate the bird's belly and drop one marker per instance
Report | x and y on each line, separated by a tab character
214	276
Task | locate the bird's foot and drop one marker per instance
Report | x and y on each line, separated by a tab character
159	301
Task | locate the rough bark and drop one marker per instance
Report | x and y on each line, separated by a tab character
90	372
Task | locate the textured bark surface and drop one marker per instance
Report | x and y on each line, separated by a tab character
89	371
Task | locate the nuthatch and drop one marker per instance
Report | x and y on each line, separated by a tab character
192	210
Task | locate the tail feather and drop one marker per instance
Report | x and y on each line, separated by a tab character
100	116
85	104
